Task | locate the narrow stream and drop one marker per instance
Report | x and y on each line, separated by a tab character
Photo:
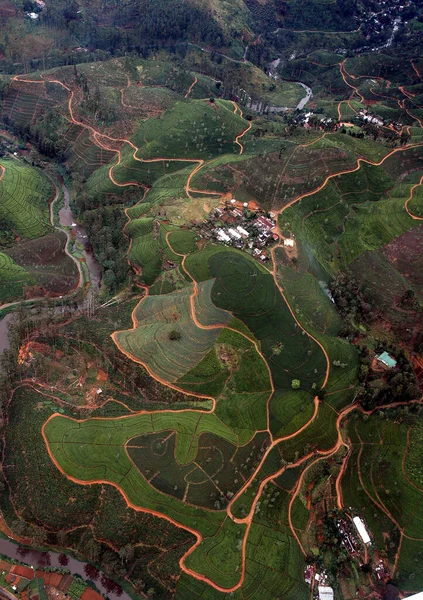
4	331
66	219
35	558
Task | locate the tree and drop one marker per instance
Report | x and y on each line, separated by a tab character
126	553
321	394
295	384
107	583
38	536
63	560
91	572
174	335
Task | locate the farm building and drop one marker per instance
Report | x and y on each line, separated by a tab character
418	596
362	531
325	592
235	234
264	223
288	242
242	231
222	236
387	360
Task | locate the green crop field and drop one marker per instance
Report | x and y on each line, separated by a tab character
353	213
13	279
24	196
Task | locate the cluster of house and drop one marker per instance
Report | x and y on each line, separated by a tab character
249	231
348	538
306	119
324	591
388	12
364	116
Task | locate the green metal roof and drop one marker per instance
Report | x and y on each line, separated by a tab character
387	360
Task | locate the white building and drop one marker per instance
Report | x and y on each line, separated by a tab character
418	596
325	592
288	242
242	231
235	234
222	236
362	531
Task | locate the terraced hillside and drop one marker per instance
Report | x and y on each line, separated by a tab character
229	407
33	259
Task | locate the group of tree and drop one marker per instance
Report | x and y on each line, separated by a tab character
395	385
351	302
104	227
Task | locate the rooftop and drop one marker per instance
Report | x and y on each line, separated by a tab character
325	592
387	360
361	528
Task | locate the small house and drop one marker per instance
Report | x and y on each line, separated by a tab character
325	592
264	223
387	360
222	236
235	234
243	231
288	242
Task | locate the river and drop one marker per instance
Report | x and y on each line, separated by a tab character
66	219
35	558
273	67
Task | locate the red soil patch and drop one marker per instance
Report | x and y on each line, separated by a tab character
52	579
90	594
102	375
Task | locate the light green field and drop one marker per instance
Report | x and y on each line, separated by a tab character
24	196
13	278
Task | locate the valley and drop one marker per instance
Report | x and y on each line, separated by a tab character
214	294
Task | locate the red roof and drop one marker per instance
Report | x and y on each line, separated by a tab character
23	571
265	222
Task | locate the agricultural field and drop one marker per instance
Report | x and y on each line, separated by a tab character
33	258
24	198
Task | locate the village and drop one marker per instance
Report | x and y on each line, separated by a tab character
244	226
353	536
